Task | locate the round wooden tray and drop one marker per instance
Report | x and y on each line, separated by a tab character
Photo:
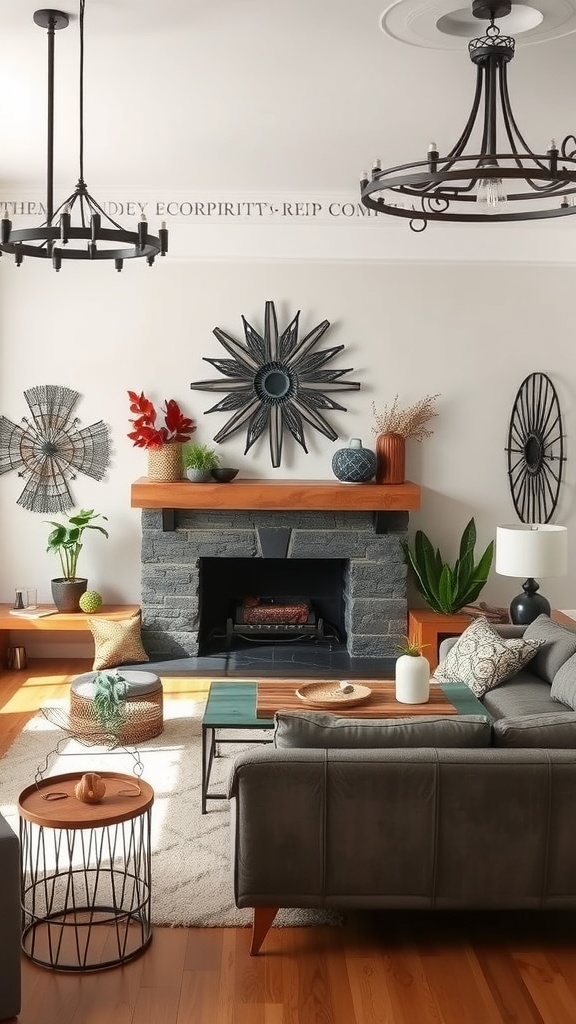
327	694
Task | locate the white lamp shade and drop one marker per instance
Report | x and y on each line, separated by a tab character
531	550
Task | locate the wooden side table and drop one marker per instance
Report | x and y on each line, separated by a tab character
429	628
86	872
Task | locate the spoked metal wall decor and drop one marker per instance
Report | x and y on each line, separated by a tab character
275	382
48	448
535	449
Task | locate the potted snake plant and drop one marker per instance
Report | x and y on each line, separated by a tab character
447	588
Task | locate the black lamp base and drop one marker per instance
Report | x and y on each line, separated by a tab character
529	605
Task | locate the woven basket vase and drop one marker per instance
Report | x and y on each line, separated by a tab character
165	463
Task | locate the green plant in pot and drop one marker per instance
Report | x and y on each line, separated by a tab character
448	588
65	540
199	461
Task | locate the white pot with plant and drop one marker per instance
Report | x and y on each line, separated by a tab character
199	461
412	674
65	540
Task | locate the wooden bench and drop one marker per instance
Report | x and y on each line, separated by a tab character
59	622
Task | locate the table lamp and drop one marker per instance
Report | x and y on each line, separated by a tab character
530	550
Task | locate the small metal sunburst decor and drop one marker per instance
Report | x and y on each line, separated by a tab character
48	447
275	381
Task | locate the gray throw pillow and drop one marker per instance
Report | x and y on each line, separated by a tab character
559	645
563	687
483	659
323	730
553	731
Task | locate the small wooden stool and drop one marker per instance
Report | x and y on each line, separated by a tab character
143	711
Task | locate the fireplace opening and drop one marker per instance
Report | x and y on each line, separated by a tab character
249	601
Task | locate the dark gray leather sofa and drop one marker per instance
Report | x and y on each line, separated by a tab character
9	922
427	826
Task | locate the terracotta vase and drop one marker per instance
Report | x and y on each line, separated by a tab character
390	459
165	463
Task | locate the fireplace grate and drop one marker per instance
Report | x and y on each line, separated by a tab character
274	620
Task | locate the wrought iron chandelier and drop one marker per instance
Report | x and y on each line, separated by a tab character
103	237
491	184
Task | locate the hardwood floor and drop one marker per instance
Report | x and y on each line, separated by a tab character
380	968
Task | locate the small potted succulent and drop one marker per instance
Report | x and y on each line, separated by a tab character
199	461
65	540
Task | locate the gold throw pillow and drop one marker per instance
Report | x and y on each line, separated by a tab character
117	641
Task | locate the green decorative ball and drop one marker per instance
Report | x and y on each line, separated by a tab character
90	601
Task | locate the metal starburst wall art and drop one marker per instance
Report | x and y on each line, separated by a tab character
276	382
47	448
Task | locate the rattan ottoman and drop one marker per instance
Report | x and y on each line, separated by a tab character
143	709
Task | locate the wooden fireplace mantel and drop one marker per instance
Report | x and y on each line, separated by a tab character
270	495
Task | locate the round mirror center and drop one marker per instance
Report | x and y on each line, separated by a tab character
533	453
276	383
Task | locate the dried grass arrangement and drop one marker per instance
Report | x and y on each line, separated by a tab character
409	422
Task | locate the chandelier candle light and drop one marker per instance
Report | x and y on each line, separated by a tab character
495	183
104	238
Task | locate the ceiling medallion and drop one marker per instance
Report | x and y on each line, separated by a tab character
443	24
499	180
276	382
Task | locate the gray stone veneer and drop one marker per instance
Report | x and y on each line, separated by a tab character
374	585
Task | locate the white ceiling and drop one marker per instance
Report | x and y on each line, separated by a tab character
251	94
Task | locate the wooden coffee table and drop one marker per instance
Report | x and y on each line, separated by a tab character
240	705
279	695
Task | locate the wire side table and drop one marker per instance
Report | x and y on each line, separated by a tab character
86	872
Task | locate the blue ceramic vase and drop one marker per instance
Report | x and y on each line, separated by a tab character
354	464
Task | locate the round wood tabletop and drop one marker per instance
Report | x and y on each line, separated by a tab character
53	803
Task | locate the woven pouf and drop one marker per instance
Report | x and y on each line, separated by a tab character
143	718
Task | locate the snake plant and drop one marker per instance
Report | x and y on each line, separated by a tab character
444	588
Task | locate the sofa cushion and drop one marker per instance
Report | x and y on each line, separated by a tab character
556	730
525	694
559	645
564	683
483	659
324	730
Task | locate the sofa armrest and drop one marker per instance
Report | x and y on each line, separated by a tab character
9	921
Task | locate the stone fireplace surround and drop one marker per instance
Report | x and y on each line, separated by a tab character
374	578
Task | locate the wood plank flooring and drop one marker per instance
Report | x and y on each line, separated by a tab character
380	968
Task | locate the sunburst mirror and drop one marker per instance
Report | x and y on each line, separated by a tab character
275	382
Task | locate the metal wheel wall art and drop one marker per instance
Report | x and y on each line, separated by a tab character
48	448
535	449
276	382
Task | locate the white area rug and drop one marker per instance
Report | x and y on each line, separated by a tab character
191	872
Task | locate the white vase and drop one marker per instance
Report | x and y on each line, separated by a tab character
412	676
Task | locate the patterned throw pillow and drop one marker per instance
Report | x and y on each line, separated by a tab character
483	659
117	642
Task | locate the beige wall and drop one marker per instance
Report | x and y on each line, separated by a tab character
469	331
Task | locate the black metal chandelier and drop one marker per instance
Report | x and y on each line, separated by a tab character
103	237
489	185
